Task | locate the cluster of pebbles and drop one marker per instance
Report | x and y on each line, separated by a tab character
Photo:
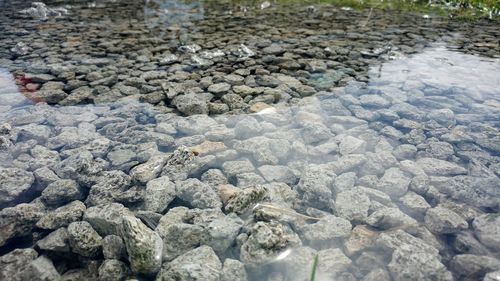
118	173
213	58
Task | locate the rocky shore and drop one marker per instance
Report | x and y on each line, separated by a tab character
240	145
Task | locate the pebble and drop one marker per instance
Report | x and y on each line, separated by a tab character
144	246
84	240
442	221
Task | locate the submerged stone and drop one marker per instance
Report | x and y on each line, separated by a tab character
198	264
144	246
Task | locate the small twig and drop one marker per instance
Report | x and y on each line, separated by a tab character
293	213
368	17
212	269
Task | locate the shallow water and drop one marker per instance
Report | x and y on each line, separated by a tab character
368	139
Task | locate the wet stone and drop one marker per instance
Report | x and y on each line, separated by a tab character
144	246
433	166
415	203
214	178
332	262
351	145
18	221
232	168
233	270
377	274
219	88
466	243
278	173
222	233
387	218
62	216
113	247
190	104
106	219
417	266
394	182
487	229
491	276
198	194
474	266
314	183
361	237
239	201
405	151
113	270
352	205
326	229
148	171
40	133
373	101
41	269
159	193
198	264
84	240
266	241
440	220
179	237
13	182
15	262
56	241
440	150
61	191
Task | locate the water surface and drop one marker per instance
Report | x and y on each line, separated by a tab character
369	139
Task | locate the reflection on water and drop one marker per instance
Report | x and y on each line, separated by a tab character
173	18
9	92
443	72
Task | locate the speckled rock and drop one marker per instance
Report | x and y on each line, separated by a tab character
62	216
266	241
198	264
474	266
410	265
441	220
433	166
41	269
144	246
487	229
233	270
106	219
13	182
352	205
326	229
113	247
84	240
113	270
18	221
159	193
386	218
198	194
14	262
56	241
179	237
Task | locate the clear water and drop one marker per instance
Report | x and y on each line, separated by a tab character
369	146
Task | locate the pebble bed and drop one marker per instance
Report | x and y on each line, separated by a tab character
223	141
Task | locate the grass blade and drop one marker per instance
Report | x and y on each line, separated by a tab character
314	268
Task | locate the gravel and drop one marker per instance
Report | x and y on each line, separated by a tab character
267	137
